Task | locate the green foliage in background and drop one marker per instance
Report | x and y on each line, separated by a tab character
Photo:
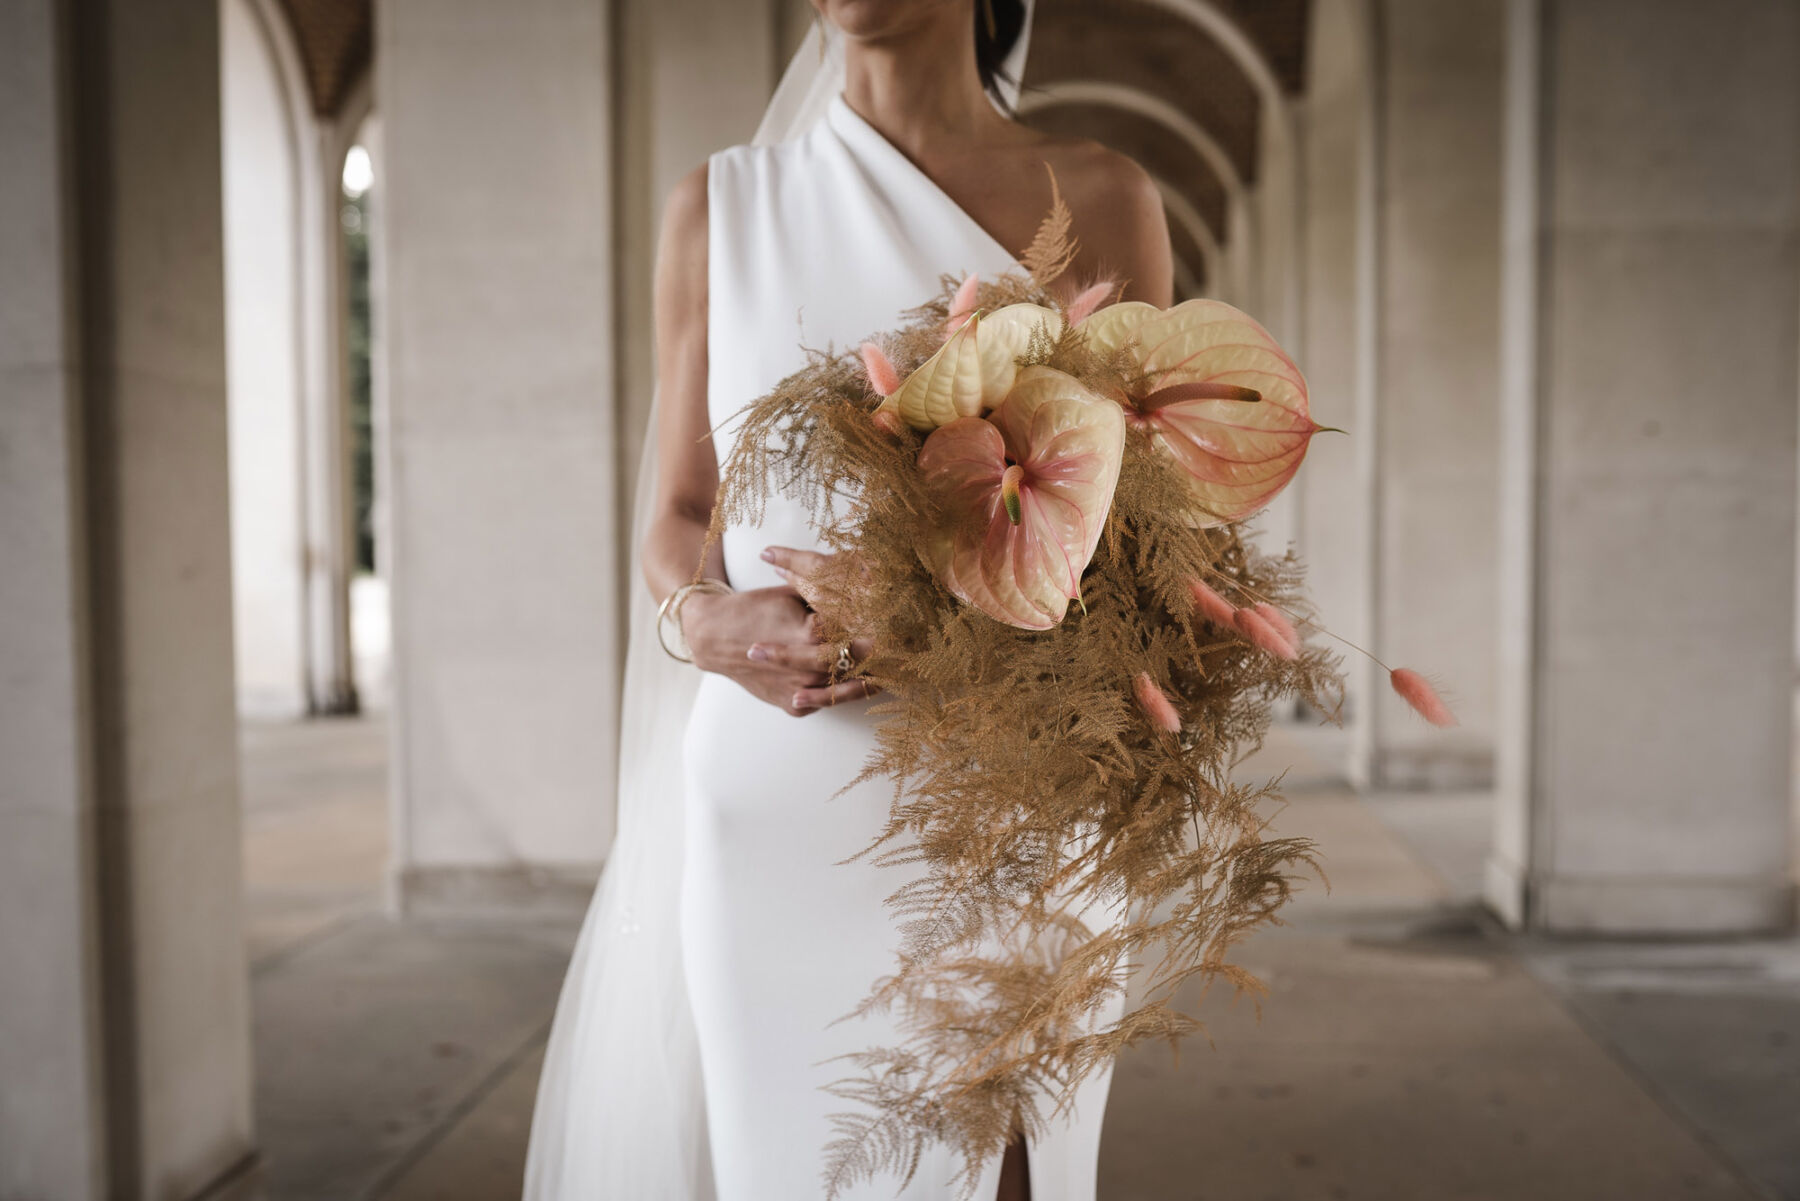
355	217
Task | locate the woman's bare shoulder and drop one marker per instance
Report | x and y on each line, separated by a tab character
1117	215
684	209
1091	171
680	283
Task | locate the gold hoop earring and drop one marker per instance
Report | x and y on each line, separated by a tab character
993	26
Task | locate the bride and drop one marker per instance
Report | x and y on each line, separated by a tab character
694	1039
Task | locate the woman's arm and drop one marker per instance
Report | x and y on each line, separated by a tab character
687	470
720	630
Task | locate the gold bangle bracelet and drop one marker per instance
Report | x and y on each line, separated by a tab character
671	608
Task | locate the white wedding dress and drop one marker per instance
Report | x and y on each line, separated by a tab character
821	239
780	938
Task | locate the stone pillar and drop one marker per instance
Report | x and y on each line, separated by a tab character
497	327
293	541
329	529
124	1031
52	1053
268	368
1333	486
1435	474
668	126
1652	283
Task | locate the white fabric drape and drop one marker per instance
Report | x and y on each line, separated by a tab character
620	1109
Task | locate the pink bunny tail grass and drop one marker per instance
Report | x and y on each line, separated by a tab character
1256	628
1279	620
1212	606
1423	698
882	376
1156	703
1091	298
963	303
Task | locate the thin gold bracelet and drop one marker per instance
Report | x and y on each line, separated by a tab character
671	608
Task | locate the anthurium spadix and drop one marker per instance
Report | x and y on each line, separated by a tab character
973	370
1215	391
1025	493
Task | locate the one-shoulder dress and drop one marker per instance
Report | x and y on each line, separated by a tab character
820	240
698	1021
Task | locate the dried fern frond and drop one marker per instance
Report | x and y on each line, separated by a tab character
1054	247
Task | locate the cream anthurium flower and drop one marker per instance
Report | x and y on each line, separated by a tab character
1215	391
1025	494
1005	335
972	371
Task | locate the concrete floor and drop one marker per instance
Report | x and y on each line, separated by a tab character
1408	1048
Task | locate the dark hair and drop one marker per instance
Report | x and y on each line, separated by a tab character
991	51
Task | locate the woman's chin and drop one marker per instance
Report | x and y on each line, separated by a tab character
874	20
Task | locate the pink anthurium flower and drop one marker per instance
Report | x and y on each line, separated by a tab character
1025	494
1217	393
972	371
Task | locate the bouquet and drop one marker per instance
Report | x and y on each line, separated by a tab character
1038	511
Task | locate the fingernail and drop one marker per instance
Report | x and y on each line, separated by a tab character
768	554
800	702
759	653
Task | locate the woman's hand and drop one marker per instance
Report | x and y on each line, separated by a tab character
767	640
800	569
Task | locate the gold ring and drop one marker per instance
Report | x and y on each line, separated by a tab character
844	661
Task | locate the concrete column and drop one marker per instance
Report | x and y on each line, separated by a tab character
497	328
329	532
124	1033
1334	485
667	127
52	1053
268	366
1652	252
1435	474
292	532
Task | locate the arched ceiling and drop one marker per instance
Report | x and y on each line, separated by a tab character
1278	27
1168	159
336	42
1087	54
1144	46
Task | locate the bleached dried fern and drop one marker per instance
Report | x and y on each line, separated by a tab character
1054	246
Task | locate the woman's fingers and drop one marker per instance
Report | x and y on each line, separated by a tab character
808	699
800	570
797	567
796	656
805	656
790	558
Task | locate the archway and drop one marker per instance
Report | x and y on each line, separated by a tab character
292	530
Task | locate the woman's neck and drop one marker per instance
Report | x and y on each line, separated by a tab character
919	85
